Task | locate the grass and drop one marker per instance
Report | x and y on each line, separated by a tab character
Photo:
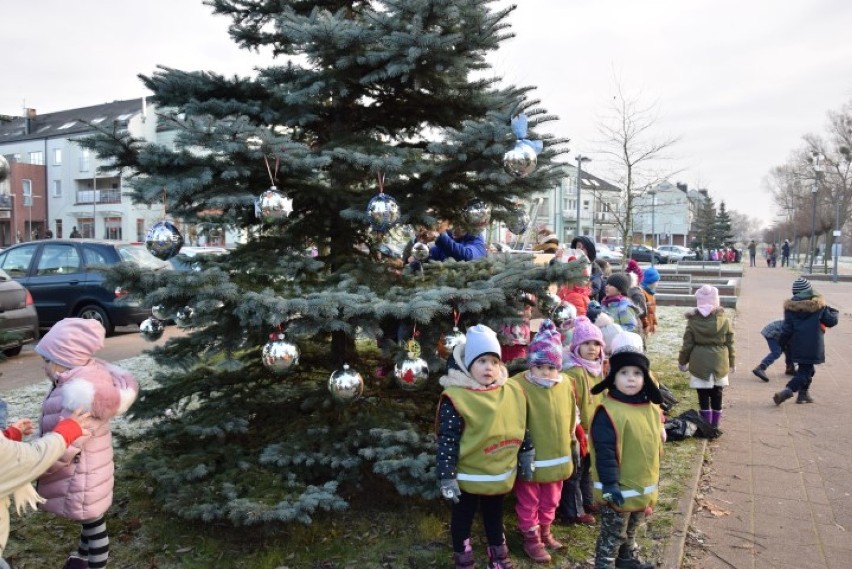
380	531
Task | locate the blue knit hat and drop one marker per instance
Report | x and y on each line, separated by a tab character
651	276
546	346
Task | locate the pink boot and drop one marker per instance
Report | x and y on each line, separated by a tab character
548	540
498	557
533	546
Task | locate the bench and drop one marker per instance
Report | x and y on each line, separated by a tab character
685	266
666	277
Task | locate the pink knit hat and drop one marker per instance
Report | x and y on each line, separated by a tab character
72	342
707	299
546	346
585	331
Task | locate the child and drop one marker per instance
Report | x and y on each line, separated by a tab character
806	316
708	352
79	486
634	292
627	441
771	332
21	463
584	366
550	420
482	443
650	279
618	306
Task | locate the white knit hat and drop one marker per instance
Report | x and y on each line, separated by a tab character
480	340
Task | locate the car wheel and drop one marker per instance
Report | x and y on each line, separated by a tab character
95	312
12	351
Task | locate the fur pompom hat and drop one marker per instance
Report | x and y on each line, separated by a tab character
546	346
634	268
627	351
72	342
479	341
620	281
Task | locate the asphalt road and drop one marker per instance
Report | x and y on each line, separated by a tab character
26	368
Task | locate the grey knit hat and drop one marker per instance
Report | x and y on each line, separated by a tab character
619	281
801	285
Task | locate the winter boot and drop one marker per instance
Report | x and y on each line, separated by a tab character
628	558
707	415
465	560
533	546
548	540
498	557
715	418
75	562
804	397
782	396
760	371
790	369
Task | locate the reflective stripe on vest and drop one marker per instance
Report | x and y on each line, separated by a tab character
485	477
552	461
631	493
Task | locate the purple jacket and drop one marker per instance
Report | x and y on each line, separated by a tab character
79	486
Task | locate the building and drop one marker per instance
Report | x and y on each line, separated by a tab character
666	214
65	189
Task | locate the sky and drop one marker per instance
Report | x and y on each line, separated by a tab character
738	83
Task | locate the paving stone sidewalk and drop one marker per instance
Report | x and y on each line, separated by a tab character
780	478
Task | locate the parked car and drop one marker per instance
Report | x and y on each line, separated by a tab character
642	253
66	278
18	316
604	252
676	253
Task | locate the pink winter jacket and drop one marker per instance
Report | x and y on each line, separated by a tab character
79	486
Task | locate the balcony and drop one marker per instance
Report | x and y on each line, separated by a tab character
108	196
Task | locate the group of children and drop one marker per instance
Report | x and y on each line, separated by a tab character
72	461
526	434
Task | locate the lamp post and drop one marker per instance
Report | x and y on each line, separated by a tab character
653	229
580	159
835	243
817	169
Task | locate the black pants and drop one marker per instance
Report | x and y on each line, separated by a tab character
803	378
710	398
461	519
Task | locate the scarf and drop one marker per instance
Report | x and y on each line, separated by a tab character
593	367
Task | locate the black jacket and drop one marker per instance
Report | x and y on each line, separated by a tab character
803	329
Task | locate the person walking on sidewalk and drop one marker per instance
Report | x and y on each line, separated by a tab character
785	253
752	253
771	332
708	352
806	316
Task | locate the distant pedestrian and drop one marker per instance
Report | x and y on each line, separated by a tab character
771	332
74	233
806	316
785	253
708	352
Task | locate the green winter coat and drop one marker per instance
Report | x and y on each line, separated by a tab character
708	344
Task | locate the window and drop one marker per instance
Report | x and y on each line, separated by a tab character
57	189
27	192
58	224
58	260
87	227
17	261
57	157
84	160
140	229
37	158
113	228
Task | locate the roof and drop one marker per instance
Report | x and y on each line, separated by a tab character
66	123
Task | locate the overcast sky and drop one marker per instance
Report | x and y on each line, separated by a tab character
740	82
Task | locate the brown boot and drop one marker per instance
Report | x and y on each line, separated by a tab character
498	557
533	546
547	538
782	396
464	560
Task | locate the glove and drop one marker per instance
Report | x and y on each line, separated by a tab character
582	440
450	490
683	367
612	493
525	464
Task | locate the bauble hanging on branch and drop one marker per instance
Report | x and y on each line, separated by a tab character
274	205
279	355
152	329
518	220
411	373
163	240
345	385
382	209
521	160
477	215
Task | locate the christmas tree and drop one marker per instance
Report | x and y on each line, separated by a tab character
391	98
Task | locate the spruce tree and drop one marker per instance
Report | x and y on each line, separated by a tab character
722	230
393	91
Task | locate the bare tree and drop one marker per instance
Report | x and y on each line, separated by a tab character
634	152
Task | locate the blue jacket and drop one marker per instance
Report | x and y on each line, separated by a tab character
802	331
466	248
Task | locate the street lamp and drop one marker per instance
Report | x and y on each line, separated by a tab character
653	229
835	242
580	159
817	169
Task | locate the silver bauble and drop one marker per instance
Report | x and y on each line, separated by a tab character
278	355
520	161
345	385
563	313
411	373
518	220
449	341
183	316
420	251
477	215
274	205
152	329
160	312
383	212
163	240
548	303
4	168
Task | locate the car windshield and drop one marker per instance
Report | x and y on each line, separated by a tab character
140	256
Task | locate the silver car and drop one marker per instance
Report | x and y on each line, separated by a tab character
18	316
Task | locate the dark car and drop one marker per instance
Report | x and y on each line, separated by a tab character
644	254
18	316
66	278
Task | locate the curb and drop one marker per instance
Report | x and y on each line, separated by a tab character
673	554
